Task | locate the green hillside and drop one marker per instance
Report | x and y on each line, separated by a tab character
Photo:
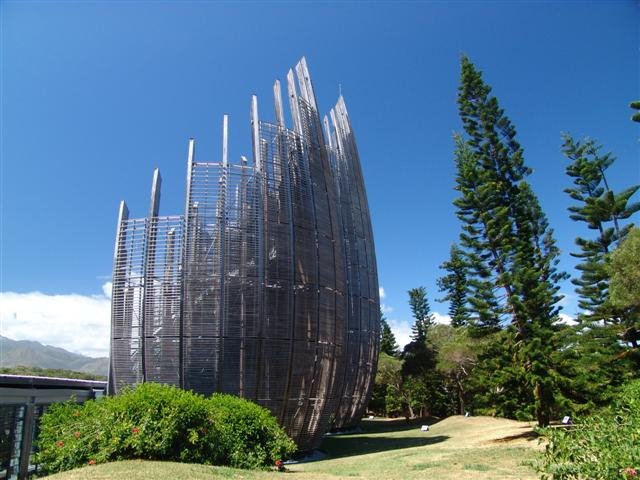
28	353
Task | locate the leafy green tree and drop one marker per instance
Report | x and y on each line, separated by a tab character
594	361
624	268
396	394
456	358
454	284
388	343
625	272
507	236
387	398
498	384
421	381
389	377
602	210
594	366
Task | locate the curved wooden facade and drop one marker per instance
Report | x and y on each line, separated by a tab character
267	286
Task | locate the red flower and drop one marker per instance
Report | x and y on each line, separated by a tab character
279	465
135	430
630	472
77	434
60	443
92	462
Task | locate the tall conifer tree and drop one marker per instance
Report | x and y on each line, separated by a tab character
419	373
506	235
421	312
454	284
388	343
604	211
486	313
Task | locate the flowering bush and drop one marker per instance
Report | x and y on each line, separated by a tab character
605	446
160	422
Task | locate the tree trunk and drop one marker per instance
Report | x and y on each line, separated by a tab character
543	407
460	396
408	411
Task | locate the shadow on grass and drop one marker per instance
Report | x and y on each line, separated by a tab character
528	435
372	439
395	425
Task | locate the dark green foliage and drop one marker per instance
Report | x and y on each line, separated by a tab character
388	349
455	285
456	359
498	384
161	422
506	239
377	402
601	447
594	365
389	396
483	302
636	115
421	381
388	343
594	361
421	312
49	372
601	210
419	369
251	435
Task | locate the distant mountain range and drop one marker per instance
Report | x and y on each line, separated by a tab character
28	353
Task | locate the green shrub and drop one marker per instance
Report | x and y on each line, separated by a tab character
251	435
605	446
161	422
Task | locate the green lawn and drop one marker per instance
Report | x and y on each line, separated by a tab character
455	448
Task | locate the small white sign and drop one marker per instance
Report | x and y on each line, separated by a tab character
424	428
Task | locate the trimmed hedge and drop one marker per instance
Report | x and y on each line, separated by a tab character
161	422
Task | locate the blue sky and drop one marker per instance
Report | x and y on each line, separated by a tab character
96	94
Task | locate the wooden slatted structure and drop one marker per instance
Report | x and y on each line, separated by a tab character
267	286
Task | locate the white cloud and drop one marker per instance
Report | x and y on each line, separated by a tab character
81	323
401	330
106	289
386	309
566	319
443	319
77	323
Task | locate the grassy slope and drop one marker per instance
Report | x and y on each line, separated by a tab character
455	448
